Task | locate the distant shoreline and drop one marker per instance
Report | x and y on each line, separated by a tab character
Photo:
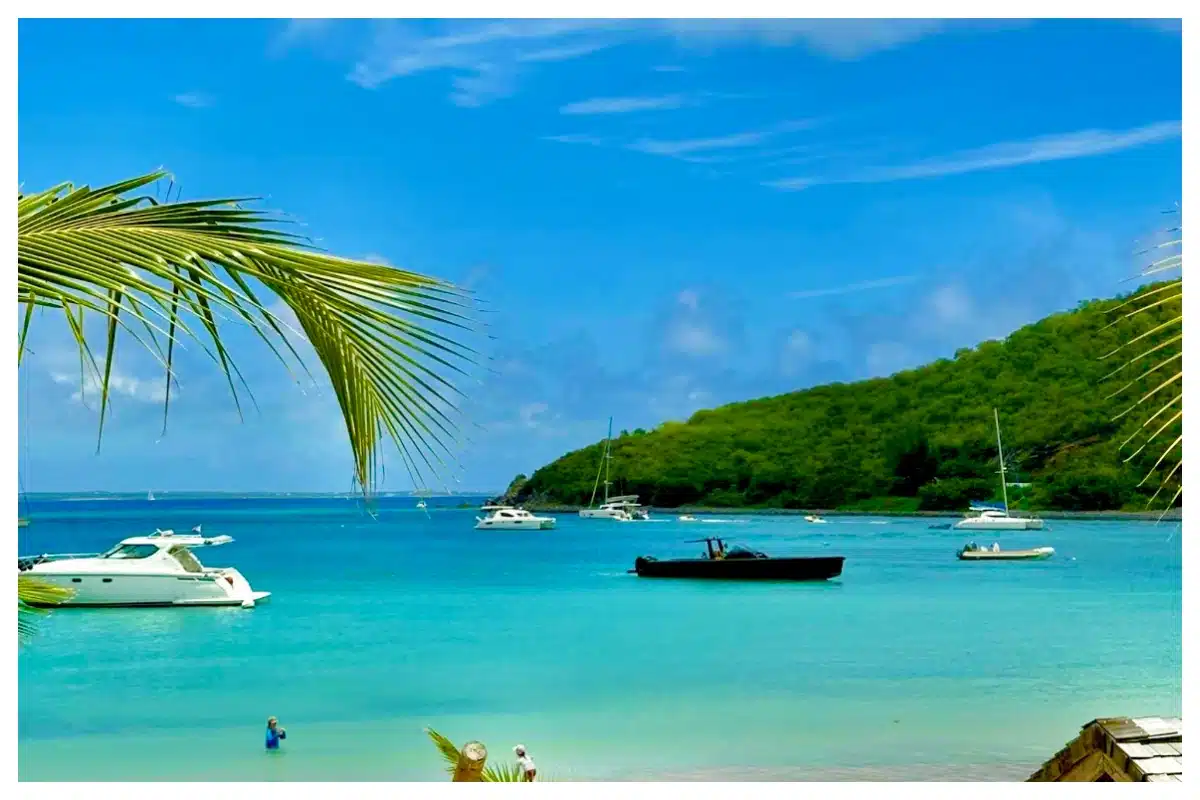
1112	516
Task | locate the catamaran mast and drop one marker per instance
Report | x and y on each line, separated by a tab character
607	459
602	467
1000	449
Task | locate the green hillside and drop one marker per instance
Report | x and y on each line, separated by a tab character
922	438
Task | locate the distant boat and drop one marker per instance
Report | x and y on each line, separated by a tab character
814	518
973	552
687	518
995	519
149	495
509	518
739	564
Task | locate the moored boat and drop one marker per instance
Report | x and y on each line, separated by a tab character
814	518
513	519
740	564
998	519
973	552
154	570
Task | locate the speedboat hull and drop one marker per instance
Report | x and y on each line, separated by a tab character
1034	554
737	569
224	587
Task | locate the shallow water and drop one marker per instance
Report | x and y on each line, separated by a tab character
380	627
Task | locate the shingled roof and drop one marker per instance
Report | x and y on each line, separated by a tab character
1120	749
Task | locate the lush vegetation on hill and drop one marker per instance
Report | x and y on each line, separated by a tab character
925	434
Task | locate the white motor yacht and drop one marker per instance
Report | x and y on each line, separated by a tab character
510	518
995	519
154	570
814	518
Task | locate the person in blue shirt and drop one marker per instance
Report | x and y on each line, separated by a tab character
274	733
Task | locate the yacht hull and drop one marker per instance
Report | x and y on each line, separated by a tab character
538	524
599	513
1009	524
224	587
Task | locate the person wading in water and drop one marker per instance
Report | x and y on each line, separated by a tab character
274	733
527	766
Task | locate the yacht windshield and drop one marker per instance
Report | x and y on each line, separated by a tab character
131	551
186	559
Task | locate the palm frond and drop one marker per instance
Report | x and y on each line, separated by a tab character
32	594
1159	386
447	748
391	341
504	773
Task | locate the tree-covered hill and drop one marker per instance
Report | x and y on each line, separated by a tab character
924	436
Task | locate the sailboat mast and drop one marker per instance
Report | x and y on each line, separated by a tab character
1000	449
607	458
601	468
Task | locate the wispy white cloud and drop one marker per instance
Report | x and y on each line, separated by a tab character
119	383
844	39
1054	147
682	147
193	99
576	138
692	333
530	412
484	52
489	82
853	288
397	49
565	53
626	105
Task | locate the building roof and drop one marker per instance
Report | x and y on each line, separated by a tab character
1123	749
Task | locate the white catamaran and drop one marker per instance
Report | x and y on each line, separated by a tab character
623	508
995	519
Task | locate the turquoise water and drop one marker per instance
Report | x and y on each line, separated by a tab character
378	628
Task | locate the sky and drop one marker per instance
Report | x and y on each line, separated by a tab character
657	216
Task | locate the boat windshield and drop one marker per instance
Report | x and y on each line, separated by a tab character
737	551
131	551
186	559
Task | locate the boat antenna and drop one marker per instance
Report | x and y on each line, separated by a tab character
1000	449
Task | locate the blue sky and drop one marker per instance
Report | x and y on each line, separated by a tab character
662	216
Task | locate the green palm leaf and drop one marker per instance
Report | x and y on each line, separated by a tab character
504	773
31	595
1153	370
389	340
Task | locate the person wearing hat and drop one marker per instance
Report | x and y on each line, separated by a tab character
526	763
274	733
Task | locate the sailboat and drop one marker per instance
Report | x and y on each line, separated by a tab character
149	496
625	507
993	519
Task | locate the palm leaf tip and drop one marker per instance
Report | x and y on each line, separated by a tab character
1152	321
394	343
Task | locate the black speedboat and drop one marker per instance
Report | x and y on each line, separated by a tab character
739	564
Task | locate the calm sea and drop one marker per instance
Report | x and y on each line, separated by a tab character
912	665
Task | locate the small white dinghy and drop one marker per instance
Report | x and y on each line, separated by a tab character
814	518
973	552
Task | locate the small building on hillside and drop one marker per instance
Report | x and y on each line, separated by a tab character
1120	749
